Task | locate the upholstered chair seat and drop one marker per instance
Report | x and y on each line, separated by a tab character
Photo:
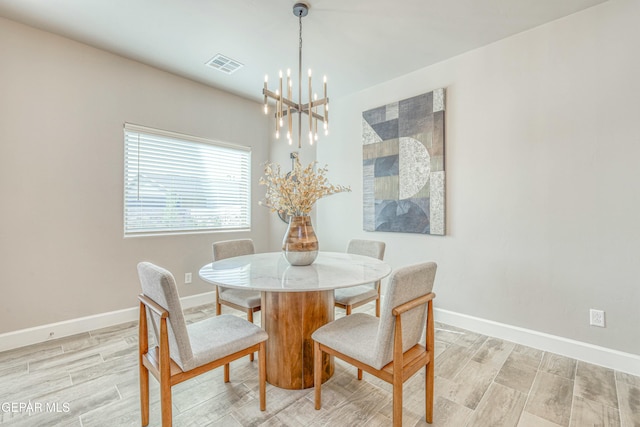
388	347
350	298
185	351
239	299
220	336
352	336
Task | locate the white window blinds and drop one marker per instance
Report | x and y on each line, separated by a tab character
175	183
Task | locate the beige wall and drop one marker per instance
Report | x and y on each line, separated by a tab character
62	108
543	181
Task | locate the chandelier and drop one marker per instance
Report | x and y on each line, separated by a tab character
315	109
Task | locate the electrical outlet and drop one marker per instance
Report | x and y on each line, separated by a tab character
187	277
596	318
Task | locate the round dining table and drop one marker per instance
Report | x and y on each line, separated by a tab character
295	301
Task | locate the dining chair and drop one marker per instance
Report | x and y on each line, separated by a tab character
349	298
240	299
185	351
388	347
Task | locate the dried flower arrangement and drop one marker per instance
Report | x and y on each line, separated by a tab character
296	192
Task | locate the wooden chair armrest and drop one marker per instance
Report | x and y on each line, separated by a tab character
402	308
153	306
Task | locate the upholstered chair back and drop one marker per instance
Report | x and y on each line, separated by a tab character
404	285
160	285
370	248
231	248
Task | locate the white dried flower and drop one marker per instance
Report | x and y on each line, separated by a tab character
296	192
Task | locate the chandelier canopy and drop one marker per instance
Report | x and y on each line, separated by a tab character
315	109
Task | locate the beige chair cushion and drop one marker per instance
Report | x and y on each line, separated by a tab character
201	342
405	284
231	248
241	297
220	336
372	248
355	294
370	341
160	285
354	336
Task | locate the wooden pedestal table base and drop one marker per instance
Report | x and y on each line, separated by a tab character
290	318
295	302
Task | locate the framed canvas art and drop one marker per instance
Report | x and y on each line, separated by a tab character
403	165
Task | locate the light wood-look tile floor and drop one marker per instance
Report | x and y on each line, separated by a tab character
91	379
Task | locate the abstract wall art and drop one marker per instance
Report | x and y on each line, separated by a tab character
403	165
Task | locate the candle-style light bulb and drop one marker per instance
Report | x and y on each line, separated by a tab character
309	110
266	108
324	86
279	104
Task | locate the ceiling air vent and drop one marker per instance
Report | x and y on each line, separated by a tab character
224	64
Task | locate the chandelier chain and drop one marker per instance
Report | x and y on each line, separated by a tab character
300	78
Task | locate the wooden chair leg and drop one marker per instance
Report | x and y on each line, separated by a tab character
359	374
430	369
164	372
348	310
143	348
397	402
165	401
429	392
262	374
226	373
218	305
250	319
378	305
317	374
144	395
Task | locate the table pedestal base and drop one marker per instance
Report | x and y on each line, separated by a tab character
290	318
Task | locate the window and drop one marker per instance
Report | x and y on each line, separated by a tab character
175	183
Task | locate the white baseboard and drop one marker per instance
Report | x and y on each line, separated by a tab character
620	361
614	359
38	334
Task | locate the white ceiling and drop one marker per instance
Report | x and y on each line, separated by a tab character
357	43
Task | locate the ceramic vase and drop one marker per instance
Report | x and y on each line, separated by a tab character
300	244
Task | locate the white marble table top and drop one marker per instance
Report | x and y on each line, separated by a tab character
271	272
